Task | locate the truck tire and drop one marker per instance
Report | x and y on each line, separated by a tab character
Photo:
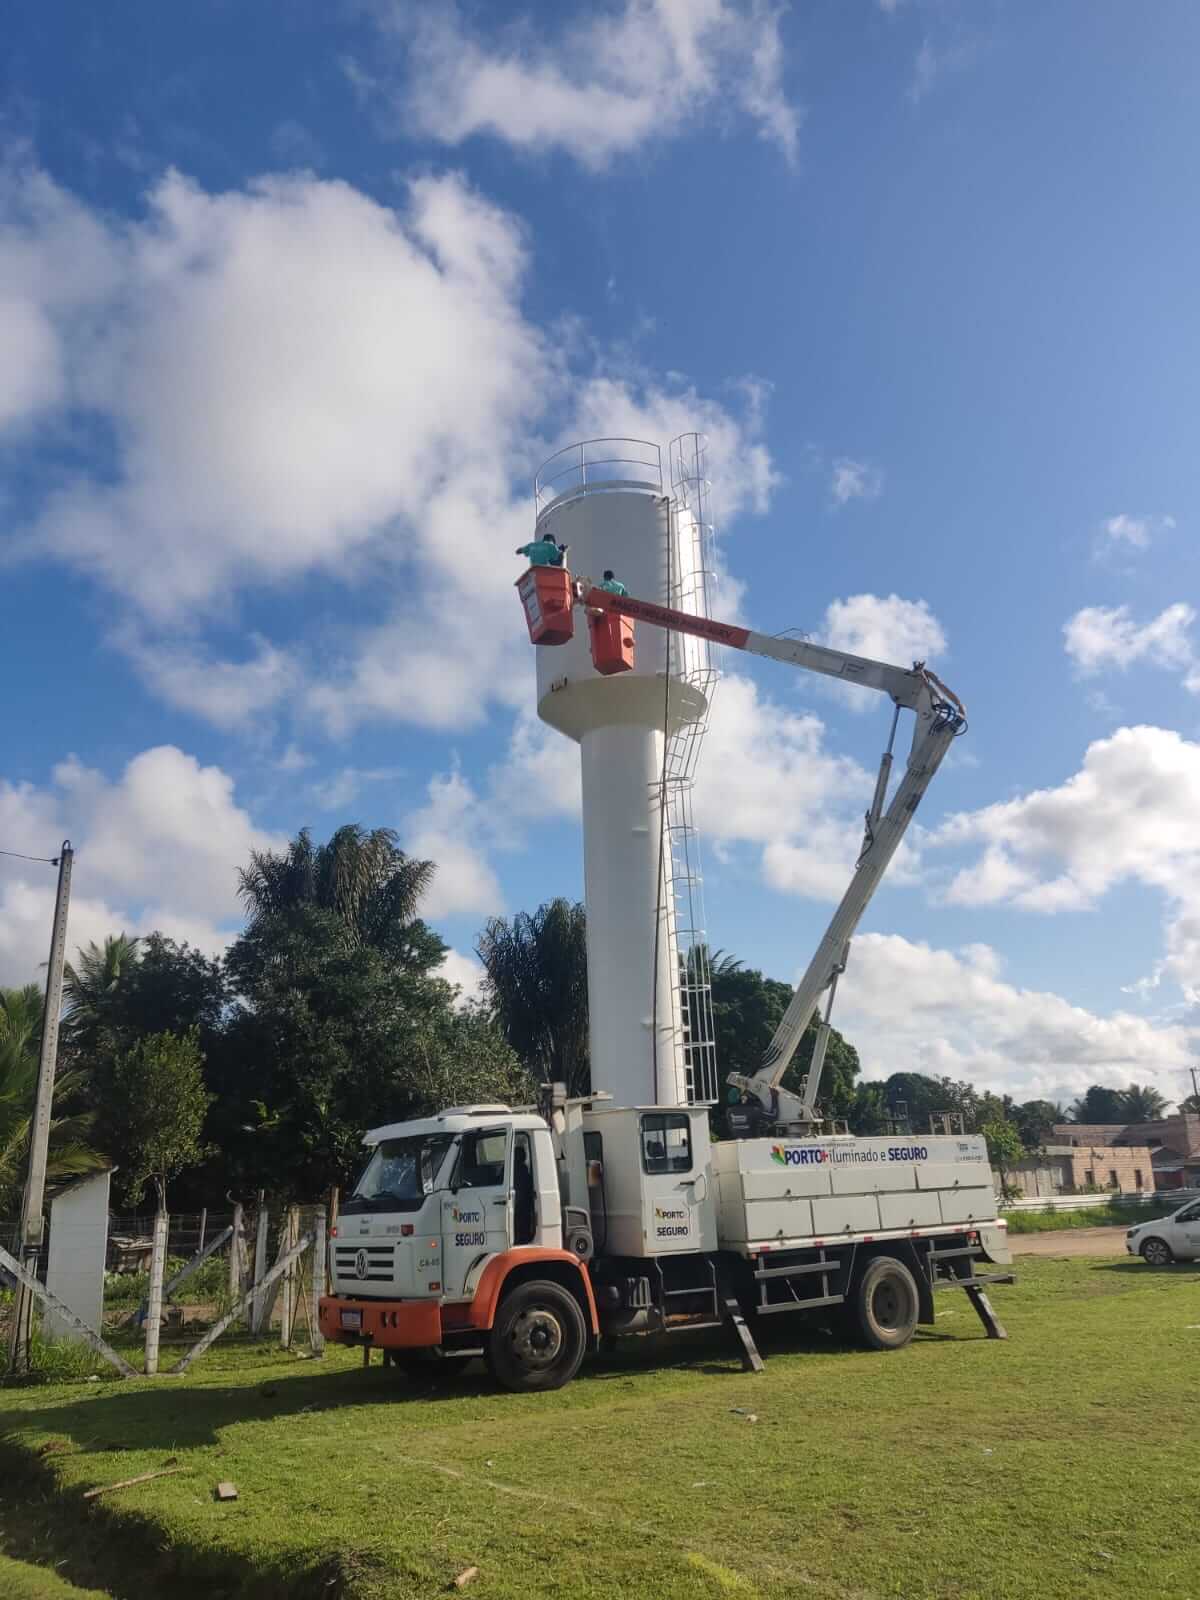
1156	1252
538	1339
885	1305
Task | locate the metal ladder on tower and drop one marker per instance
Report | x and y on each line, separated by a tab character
689	567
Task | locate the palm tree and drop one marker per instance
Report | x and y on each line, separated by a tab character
1141	1102
89	985
536	984
70	1153
363	878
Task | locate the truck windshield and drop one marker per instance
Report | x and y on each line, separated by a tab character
400	1174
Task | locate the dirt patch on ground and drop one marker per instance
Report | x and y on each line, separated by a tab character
1069	1242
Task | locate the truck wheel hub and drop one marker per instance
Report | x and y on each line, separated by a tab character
886	1305
537	1337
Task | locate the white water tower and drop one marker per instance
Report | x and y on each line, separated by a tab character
649	1000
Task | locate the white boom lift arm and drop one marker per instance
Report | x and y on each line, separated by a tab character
939	719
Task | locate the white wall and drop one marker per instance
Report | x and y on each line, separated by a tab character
78	1240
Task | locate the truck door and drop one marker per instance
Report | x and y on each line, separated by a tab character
676	1207
477	1209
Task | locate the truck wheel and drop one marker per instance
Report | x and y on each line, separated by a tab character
885	1304
538	1340
1157	1253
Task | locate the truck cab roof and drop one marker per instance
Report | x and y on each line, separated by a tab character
455	1119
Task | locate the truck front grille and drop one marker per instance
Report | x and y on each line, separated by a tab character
368	1263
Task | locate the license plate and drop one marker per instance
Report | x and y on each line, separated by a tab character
352	1319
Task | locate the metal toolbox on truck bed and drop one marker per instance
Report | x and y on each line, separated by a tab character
768	1190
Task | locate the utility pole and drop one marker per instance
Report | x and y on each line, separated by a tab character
33	1204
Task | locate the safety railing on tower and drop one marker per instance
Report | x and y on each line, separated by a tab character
594	466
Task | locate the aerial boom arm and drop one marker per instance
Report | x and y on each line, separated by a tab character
940	718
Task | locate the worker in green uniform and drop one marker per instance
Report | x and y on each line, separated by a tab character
543	552
611	584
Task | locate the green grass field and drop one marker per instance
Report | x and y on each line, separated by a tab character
957	1468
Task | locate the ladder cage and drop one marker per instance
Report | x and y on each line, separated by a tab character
691	538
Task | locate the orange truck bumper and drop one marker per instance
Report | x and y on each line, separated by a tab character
390	1324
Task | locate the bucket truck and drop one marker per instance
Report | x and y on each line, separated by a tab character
532	1236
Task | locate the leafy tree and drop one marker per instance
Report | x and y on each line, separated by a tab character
1141	1102
926	1097
132	987
535	986
1035	1121
331	1036
91	988
869	1112
1004	1148
364	879
1191	1104
1099	1104
747	1008
158	1100
71	1151
1003	1144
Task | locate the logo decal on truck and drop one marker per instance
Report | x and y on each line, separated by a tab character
462	1217
843	1155
671	1222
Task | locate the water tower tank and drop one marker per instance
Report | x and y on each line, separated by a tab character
638	732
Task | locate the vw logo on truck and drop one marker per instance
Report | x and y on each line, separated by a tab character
360	1264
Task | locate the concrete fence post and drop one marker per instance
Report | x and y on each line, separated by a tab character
235	1257
315	1337
158	1262
290	1279
258	1304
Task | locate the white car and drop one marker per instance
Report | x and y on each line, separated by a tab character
1173	1238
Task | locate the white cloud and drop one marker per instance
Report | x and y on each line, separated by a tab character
274	423
55	259
342	787
884	628
739	463
768	780
961	1019
934	61
453	830
1107	636
1136	532
299	380
1128	815
158	847
597	88
466	972
229	694
293	759
539	776
854	480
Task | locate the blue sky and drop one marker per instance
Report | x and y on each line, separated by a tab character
294	299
